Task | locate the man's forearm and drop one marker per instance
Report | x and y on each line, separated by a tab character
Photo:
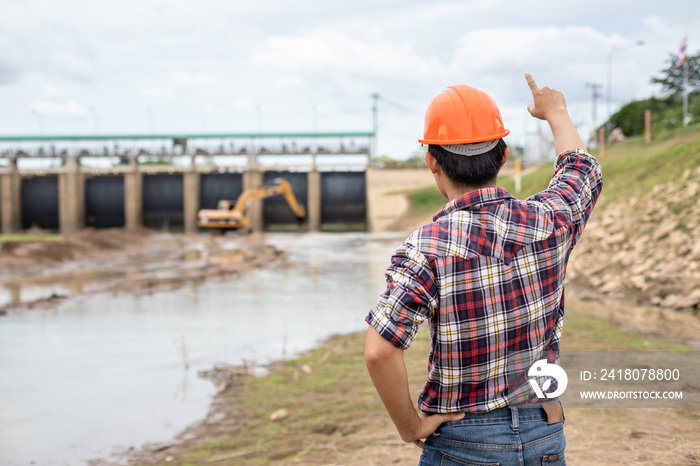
388	372
565	135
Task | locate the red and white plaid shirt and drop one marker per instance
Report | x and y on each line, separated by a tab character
488	274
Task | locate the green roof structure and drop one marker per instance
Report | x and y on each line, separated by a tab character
105	137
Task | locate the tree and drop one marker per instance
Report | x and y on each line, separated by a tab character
665	111
671	79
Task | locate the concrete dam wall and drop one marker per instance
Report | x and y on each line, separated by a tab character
165	197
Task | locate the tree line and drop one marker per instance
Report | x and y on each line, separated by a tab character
666	110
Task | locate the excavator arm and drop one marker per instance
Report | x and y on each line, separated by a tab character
228	218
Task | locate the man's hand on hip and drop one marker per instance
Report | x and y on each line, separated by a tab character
429	424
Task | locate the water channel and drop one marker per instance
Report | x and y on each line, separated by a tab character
103	373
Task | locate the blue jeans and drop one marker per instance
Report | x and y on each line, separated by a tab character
512	436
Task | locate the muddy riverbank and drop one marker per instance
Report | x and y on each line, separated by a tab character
321	409
42	273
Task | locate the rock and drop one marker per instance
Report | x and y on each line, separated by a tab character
279	414
666	227
639	281
611	285
616	238
306	369
681	302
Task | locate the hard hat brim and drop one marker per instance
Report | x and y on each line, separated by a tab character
464	141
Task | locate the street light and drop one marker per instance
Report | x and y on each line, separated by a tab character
610	57
96	119
152	118
41	120
258	110
203	111
313	118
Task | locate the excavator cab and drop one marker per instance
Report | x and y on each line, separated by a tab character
224	204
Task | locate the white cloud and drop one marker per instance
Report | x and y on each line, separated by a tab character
284	56
329	50
52	92
70	109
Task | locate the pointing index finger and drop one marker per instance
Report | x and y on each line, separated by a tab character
531	82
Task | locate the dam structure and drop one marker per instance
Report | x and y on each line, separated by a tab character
67	182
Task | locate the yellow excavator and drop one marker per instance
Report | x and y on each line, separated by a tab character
232	216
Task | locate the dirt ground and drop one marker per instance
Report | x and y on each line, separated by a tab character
321	409
387	203
119	260
326	410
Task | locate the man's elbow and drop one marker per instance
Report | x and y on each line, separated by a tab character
373	355
377	348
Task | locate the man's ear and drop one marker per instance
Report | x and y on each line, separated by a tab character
432	163
506	153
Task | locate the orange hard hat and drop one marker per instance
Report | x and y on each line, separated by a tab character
462	114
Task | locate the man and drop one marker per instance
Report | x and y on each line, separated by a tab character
488	277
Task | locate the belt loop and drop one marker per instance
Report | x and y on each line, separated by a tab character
515	419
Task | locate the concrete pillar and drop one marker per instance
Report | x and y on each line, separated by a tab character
253	178
133	196
10	199
71	209
191	206
313	208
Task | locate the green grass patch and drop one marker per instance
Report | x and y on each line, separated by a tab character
343	227
424	201
630	168
336	403
28	238
587	333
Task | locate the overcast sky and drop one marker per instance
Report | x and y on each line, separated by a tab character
131	66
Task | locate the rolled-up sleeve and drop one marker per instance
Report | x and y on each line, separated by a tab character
408	299
574	188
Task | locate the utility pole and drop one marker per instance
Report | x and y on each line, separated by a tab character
375	125
595	94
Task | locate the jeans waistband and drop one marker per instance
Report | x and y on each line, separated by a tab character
514	415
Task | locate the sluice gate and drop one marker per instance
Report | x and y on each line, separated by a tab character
339	196
104	201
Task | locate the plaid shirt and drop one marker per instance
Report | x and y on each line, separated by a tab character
488	274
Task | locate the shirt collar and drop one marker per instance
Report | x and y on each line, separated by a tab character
473	199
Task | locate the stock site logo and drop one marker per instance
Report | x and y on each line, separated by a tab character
542	368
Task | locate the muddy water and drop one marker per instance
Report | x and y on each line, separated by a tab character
102	373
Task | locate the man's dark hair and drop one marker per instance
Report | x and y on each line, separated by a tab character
475	170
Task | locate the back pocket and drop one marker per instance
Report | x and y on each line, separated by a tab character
449	460
554	460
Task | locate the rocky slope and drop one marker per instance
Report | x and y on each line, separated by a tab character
646	247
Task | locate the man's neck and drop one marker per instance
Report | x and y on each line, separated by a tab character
454	192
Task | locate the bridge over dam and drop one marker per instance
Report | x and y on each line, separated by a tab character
64	183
